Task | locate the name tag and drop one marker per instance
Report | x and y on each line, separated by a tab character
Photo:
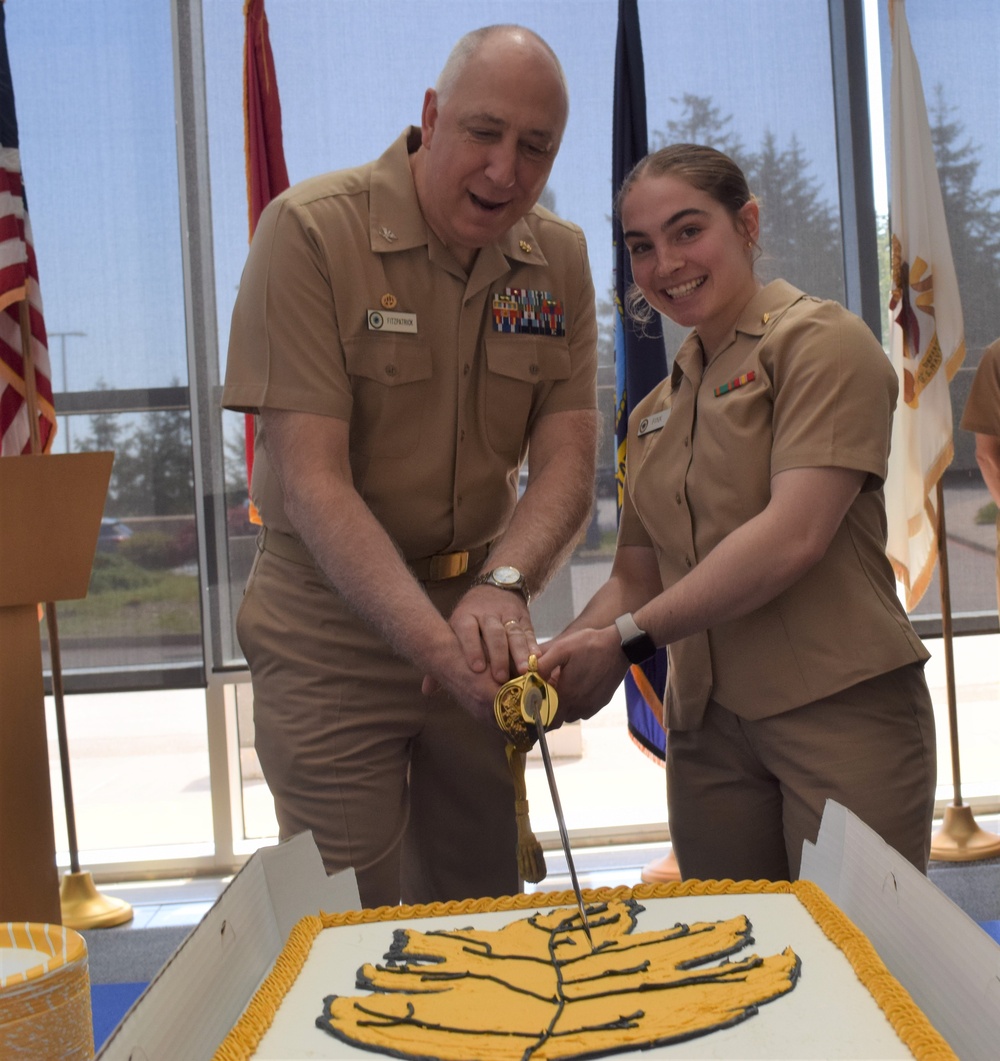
382	321
653	422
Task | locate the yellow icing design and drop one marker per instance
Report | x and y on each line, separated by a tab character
903	1014
536	989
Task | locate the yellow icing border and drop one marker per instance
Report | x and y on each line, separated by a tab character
924	1041
903	1014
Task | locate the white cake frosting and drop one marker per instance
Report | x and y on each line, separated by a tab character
836	1006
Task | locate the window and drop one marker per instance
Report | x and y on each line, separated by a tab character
131	130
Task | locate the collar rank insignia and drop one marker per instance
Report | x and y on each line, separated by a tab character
522	311
740	381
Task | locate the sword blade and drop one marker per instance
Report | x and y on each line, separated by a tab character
532	703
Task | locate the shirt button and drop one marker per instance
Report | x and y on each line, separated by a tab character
533	370
677	498
465	370
461	435
688	561
390	370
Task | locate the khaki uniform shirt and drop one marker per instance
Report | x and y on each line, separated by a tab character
982	410
351	307
800	383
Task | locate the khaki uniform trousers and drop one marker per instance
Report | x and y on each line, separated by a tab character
407	789
743	796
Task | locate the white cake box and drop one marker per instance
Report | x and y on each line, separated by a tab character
949	965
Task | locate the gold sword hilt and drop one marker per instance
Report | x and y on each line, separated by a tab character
510	706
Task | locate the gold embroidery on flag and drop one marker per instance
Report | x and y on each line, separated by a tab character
919	367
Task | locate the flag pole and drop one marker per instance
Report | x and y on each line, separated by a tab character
959	839
31	403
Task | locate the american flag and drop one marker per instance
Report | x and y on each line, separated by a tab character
25	382
265	154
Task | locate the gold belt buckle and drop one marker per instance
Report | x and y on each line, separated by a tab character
447	565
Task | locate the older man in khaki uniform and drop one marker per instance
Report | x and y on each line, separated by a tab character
982	415
407	332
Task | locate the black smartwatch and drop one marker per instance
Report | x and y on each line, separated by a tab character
636	644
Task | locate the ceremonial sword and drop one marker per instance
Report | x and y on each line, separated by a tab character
535	690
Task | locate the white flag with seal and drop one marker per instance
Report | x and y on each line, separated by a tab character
927	335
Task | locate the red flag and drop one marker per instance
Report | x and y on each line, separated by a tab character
25	381
265	155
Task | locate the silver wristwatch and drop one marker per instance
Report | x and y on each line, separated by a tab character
505	577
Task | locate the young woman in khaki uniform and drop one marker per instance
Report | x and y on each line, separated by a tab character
751	544
982	415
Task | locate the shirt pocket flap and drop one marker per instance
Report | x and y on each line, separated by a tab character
389	359
529	358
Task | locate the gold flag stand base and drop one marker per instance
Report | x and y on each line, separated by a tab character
83	906
661	870
960	840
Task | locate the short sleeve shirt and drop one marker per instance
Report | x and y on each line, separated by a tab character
350	307
982	410
800	383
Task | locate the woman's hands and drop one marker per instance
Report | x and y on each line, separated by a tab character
586	666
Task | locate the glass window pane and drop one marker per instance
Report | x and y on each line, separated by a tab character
142	610
95	110
139	774
780	125
94	91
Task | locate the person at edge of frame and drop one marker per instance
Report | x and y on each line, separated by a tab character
982	416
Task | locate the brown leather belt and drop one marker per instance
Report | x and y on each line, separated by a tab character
425	569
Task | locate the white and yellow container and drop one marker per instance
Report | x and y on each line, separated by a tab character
44	993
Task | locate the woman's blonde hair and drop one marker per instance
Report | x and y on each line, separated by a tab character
702	167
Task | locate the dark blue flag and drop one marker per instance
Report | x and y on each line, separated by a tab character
640	358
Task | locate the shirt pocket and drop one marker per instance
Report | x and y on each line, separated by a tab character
521	370
386	376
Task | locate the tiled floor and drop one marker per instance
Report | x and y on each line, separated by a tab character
167	903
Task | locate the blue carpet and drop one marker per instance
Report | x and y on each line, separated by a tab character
109	1003
122	962
992	927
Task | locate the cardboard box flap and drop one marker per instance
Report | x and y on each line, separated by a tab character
949	965
201	992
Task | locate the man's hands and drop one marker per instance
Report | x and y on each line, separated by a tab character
494	628
495	636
